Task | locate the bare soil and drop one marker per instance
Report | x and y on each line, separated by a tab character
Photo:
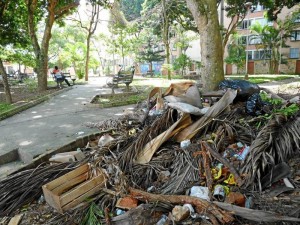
21	93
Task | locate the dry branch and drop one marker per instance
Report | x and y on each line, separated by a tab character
217	156
202	206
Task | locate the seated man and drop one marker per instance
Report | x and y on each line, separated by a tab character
59	77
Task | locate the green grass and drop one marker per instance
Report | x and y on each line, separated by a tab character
258	79
5	107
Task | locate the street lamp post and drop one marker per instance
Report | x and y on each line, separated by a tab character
248	7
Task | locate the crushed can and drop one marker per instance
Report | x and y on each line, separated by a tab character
219	193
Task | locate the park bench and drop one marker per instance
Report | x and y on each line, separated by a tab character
121	78
192	75
148	73
60	81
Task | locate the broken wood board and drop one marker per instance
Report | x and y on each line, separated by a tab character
16	219
212	112
73	188
150	148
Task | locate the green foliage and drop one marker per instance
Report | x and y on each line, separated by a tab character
131	8
167	67
236	53
123	41
289	110
93	215
264	96
182	63
68	49
31	85
150	52
5	107
273	38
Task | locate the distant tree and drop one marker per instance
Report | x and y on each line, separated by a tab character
131	9
272	38
13	35
236	52
123	40
150	53
182	63
68	48
92	11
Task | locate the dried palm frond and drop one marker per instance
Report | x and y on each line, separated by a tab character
146	175
24	187
184	171
161	124
229	127
278	141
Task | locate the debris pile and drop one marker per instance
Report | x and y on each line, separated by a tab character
177	159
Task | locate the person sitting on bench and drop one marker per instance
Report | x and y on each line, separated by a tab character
59	76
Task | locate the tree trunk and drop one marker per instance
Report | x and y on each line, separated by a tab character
41	50
206	17
87	60
166	37
5	84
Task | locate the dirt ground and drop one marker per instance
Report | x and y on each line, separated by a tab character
21	93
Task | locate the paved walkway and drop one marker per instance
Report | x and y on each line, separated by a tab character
55	122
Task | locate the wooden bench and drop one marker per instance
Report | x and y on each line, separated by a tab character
148	73
72	78
60	81
192	75
121	78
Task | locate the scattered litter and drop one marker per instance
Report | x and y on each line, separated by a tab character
200	192
164	162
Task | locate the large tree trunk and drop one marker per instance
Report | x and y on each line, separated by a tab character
8	97
41	50
206	17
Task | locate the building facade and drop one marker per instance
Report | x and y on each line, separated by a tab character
259	58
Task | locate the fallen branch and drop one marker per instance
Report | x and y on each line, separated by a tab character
255	215
202	206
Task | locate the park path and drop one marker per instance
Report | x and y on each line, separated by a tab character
55	122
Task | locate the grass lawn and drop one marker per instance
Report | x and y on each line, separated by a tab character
258	79
4	107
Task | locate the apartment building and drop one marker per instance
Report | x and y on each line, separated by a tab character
258	58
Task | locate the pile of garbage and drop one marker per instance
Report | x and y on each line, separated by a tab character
181	157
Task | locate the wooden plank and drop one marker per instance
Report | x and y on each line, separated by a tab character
69	176
83	197
70	184
81	189
16	219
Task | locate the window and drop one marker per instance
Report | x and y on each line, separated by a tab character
258	8
295	35
297	20
242	40
294	53
259	54
244	24
254	40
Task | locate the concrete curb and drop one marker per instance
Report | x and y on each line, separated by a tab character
71	146
30	104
